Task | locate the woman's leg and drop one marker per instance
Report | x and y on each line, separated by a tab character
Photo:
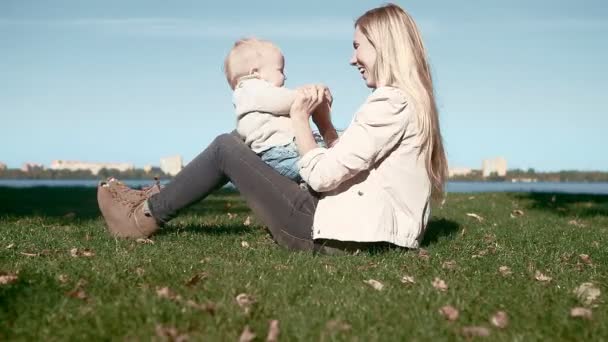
280	203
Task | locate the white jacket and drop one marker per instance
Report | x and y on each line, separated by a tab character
262	111
373	181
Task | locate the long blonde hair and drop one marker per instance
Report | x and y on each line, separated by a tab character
401	62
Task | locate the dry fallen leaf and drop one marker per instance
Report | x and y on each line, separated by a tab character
375	284
489	238
195	279
281	267
273	331
541	277
449	312
10	246
30	254
170	333
244	244
231	215
440	285
516	213
406	279
208	307
586	259
587	293
337	325
474	331
423	254
8	278
63	278
247	335
75	252
245	301
166	293
247	221
77	293
449	265
87	253
505	271
577	223
145	241
475	216
581	313
500	319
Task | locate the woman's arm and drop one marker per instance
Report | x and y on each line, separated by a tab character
377	128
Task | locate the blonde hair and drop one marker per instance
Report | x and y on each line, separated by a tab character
244	56
401	61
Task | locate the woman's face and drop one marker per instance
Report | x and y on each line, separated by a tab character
364	57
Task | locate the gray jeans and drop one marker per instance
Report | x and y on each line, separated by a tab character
279	202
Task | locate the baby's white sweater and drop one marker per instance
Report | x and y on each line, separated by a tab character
262	113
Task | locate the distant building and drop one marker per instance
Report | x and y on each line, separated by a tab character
93	167
171	165
29	167
459	171
496	165
2	166
148	168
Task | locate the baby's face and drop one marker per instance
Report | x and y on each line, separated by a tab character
271	67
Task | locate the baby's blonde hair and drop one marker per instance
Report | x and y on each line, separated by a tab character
244	56
401	61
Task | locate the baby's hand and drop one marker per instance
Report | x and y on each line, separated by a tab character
327	95
308	98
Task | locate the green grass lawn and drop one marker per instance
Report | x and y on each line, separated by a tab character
63	278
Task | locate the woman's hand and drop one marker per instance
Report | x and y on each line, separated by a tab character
308	98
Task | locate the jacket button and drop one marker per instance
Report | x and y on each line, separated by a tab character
360	193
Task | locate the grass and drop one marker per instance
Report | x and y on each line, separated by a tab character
117	293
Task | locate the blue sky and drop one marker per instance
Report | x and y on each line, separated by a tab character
133	81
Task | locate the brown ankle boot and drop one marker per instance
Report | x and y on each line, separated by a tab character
124	211
133	194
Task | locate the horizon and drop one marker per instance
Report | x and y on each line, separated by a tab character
133	82
138	166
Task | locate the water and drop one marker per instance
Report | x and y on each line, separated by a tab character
568	188
455	187
28	183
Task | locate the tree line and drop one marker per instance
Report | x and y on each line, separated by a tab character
41	173
533	175
475	175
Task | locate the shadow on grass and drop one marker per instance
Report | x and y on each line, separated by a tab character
567	204
81	202
56	202
437	229
222	229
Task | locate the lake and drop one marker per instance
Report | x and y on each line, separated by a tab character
456	187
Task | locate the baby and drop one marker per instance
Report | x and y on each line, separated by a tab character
255	71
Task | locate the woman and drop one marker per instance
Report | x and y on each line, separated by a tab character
374	184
